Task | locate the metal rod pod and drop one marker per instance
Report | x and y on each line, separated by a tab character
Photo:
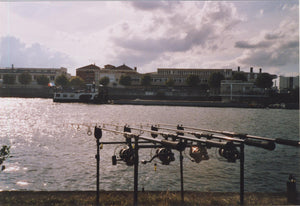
180	146
98	132
258	143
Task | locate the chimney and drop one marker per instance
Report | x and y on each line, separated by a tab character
135	69
260	70
239	68
12	66
251	69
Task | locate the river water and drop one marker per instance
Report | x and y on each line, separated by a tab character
50	154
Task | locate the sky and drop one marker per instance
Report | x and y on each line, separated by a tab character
152	34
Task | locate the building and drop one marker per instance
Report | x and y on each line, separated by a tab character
179	76
89	73
114	74
51	73
235	90
92	74
288	83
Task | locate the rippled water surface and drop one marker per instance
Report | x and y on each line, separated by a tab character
49	154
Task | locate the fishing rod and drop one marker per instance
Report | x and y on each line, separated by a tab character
269	145
180	146
198	152
262	144
209	143
243	136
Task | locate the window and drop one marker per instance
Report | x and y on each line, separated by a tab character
65	95
57	95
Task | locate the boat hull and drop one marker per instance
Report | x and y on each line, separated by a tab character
69	97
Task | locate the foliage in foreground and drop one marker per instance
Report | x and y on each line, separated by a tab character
145	198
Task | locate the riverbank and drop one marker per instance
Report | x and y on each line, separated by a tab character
59	198
184	103
203	104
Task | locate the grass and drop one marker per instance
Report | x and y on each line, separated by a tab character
82	198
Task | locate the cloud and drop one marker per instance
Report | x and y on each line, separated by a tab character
153	5
277	48
247	45
168	44
272	36
13	51
176	31
276	54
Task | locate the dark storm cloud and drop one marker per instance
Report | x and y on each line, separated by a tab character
246	45
290	45
272	36
13	51
153	5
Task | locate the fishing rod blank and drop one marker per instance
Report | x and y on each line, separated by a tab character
244	136
269	145
180	146
209	143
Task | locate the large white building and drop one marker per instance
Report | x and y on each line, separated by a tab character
179	76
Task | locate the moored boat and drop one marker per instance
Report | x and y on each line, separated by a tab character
89	95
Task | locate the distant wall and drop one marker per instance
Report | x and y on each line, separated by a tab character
160	94
40	92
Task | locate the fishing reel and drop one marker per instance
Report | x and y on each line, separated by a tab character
165	155
198	153
126	155
229	152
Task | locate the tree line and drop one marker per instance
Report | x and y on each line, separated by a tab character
25	79
263	80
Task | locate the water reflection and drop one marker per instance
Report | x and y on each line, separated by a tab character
48	154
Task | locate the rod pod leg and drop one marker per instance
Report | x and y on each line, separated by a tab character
98	172
136	167
181	178
242	162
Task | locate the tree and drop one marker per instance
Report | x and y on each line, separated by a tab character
25	78
264	80
104	81
43	80
125	80
192	80
239	76
76	82
4	154
170	82
9	79
61	80
146	80
214	80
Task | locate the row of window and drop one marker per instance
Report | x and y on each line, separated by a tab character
52	77
64	95
194	72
